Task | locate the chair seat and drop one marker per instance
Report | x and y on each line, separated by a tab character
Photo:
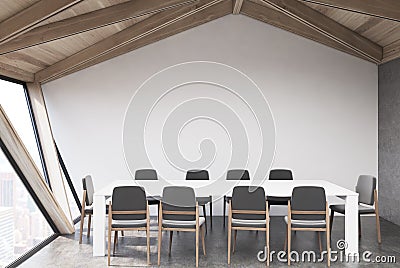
248	223
362	209
278	200
89	209
307	223
128	223
182	224
203	200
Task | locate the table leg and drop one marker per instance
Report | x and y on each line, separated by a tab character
211	214
99	225
351	225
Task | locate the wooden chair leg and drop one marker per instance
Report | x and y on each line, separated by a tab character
378	227
197	246
328	246
202	240
234	241
267	243
319	241
82	216
109	246
81	227
160	215
289	232
229	242
89	225
115	241
170	242
159	245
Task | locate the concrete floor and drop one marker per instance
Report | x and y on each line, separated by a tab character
65	251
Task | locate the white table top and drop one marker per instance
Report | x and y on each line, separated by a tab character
224	187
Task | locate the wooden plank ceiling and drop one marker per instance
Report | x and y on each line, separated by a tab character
44	40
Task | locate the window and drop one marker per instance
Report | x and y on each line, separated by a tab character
22	225
13	101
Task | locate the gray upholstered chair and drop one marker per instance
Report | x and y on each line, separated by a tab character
368	202
234	175
179	211
248	210
148	175
279	174
128	211
308	211
87	205
201	174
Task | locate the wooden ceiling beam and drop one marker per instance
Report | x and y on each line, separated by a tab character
328	27
274	17
237	6
89	21
387	9
145	32
29	17
15	73
205	16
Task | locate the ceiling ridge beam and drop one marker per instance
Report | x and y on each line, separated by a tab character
131	34
30	16
237	6
89	21
328	27
219	10
388	9
273	17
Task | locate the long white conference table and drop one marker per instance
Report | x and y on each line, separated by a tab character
224	187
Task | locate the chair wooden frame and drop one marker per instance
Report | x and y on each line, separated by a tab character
376	209
110	229
197	229
378	224
83	215
326	229
230	228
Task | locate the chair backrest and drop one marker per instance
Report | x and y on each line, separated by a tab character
179	198
197	174
87	184
245	198
366	185
280	174
238	174
308	198
129	198
146	174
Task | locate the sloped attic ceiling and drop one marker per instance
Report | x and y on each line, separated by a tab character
44	40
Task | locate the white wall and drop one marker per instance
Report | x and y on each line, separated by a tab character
324	102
